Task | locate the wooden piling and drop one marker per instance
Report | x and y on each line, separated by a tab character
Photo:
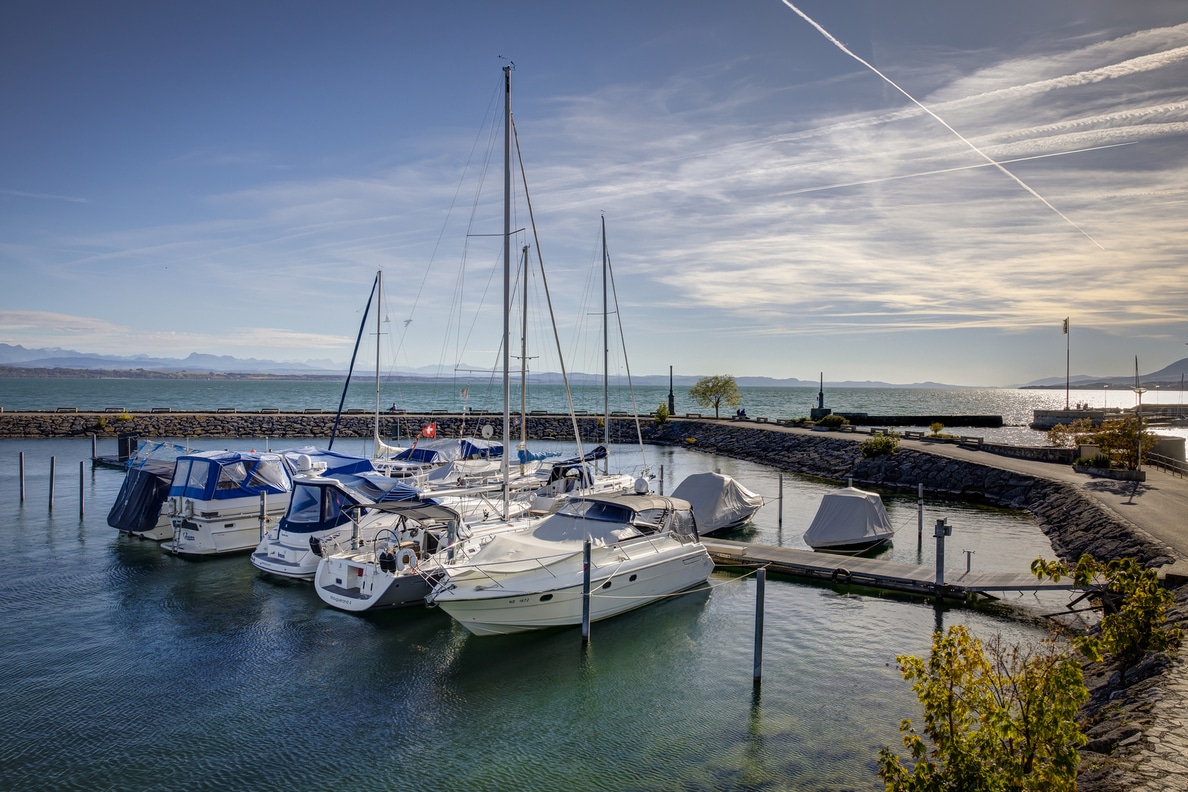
760	584
53	466
586	593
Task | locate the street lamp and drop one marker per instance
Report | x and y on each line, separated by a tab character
1105	399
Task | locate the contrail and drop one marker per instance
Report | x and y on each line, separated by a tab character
954	169
939	120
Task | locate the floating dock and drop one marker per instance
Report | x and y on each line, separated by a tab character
873	572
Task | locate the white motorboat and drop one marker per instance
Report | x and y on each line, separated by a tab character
849	522
573	477
643	547
221	501
411	544
719	502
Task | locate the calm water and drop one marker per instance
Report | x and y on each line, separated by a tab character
128	669
1015	406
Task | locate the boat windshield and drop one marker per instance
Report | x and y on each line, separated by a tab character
597	510
269	472
306	506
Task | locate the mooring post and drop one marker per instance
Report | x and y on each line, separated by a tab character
780	512
919	516
968	560
760	584
82	477
22	466
263	513
586	592
94	447
940	532
53	465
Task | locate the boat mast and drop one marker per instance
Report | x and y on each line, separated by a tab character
379	309
506	282
605	358
524	369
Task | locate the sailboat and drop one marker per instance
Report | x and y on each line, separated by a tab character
643	547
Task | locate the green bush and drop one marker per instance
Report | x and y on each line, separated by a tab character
880	445
1095	461
833	420
936	428
661	414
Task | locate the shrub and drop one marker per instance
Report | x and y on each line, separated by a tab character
833	420
661	414
1002	720
936	428
880	445
1095	461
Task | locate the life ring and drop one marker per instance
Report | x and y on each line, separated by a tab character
406	558
841	575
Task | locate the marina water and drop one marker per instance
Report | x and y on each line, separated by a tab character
128	669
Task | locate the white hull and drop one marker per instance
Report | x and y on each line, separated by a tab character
617	586
235	528
287	556
357	584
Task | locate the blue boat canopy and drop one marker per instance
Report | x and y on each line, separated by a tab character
318	502
311	458
222	475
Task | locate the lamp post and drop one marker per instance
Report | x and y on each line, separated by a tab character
1105	399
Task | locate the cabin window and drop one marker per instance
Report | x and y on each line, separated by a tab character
683	525
199	470
335	501
306	505
269	472
232	476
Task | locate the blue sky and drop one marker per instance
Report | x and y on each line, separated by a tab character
226	178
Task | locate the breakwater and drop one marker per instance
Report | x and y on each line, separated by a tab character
1074	523
864	419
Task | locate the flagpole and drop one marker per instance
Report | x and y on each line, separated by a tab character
1067	359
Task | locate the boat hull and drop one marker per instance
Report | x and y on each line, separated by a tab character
357	585
630	586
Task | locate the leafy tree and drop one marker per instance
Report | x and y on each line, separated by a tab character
1118	438
661	414
1135	606
715	391
1075	433
998	721
937	427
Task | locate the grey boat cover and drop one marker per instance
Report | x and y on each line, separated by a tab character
849	517
719	502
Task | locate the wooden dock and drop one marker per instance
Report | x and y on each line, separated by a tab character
872	572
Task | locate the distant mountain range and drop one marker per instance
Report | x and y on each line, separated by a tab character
18	361
1168	376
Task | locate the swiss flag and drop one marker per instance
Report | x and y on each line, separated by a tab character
429	430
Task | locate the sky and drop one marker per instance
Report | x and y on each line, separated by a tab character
902	192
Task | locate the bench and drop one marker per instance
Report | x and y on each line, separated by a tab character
760	420
225	410
976	442
878	430
351	411
914	434
161	409
114	410
66	409
846	428
312	410
269	410
692	415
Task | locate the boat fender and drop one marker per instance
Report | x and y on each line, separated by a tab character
315	545
406	558
188	510
387	562
841	575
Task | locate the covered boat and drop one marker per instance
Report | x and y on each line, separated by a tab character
849	521
216	499
719	502
141	508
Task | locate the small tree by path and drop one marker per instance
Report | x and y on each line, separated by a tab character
716	391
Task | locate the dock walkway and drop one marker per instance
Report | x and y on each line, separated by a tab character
873	572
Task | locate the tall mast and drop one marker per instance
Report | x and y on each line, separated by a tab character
524	368
379	309
506	282
605	357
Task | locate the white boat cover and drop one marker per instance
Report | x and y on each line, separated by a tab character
849	518
718	501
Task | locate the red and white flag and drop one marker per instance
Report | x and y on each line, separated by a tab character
429	430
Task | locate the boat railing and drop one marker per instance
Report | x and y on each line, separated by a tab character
487	569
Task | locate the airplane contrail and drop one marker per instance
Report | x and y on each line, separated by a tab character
833	40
